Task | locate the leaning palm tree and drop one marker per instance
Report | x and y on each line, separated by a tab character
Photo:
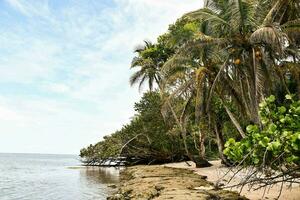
150	59
251	39
254	37
187	76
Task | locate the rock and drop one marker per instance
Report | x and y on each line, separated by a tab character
159	187
161	183
112	186
201	162
116	197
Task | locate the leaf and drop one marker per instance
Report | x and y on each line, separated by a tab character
231	141
288	96
252	129
271	99
263	104
282	109
272	128
255	160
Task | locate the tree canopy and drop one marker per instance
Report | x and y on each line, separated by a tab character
226	73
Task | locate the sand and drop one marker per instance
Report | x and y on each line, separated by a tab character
180	181
217	171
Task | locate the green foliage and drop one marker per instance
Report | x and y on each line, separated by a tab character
145	137
211	69
277	142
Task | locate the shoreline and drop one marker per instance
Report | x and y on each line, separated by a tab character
181	181
161	182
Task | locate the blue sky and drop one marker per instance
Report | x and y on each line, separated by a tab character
64	68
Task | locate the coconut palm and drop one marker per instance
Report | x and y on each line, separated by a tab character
148	67
235	51
253	40
250	39
187	76
150	59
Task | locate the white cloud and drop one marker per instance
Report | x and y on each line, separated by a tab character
76	58
17	5
32	59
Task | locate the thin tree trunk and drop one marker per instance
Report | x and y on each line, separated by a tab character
178	122
200	162
235	122
183	134
202	137
220	143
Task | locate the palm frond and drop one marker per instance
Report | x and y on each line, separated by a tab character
270	17
271	36
206	14
136	77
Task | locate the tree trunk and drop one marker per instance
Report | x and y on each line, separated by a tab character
220	142
183	134
234	121
202	144
201	160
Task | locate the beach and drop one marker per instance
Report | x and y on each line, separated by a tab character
217	171
185	181
162	182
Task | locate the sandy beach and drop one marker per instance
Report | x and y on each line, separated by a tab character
217	171
182	181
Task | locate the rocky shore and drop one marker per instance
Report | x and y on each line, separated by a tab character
161	182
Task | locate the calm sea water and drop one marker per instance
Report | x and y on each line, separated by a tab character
52	177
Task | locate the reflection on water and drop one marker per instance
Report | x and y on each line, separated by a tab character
104	175
39	177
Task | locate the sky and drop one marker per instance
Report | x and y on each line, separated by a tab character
64	68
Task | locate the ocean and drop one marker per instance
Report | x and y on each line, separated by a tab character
52	177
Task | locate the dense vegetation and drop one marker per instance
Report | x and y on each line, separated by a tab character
228	70
147	138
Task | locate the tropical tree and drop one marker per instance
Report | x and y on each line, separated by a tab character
237	51
186	75
211	70
149	60
254	42
144	140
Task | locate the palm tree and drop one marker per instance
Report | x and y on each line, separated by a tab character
236	51
251	38
150	59
148	66
187	75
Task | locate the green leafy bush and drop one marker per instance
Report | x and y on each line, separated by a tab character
276	142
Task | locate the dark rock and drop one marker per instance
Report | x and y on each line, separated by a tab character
116	197
112	186
201	162
159	187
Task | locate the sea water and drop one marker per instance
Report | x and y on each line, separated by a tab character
52	177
